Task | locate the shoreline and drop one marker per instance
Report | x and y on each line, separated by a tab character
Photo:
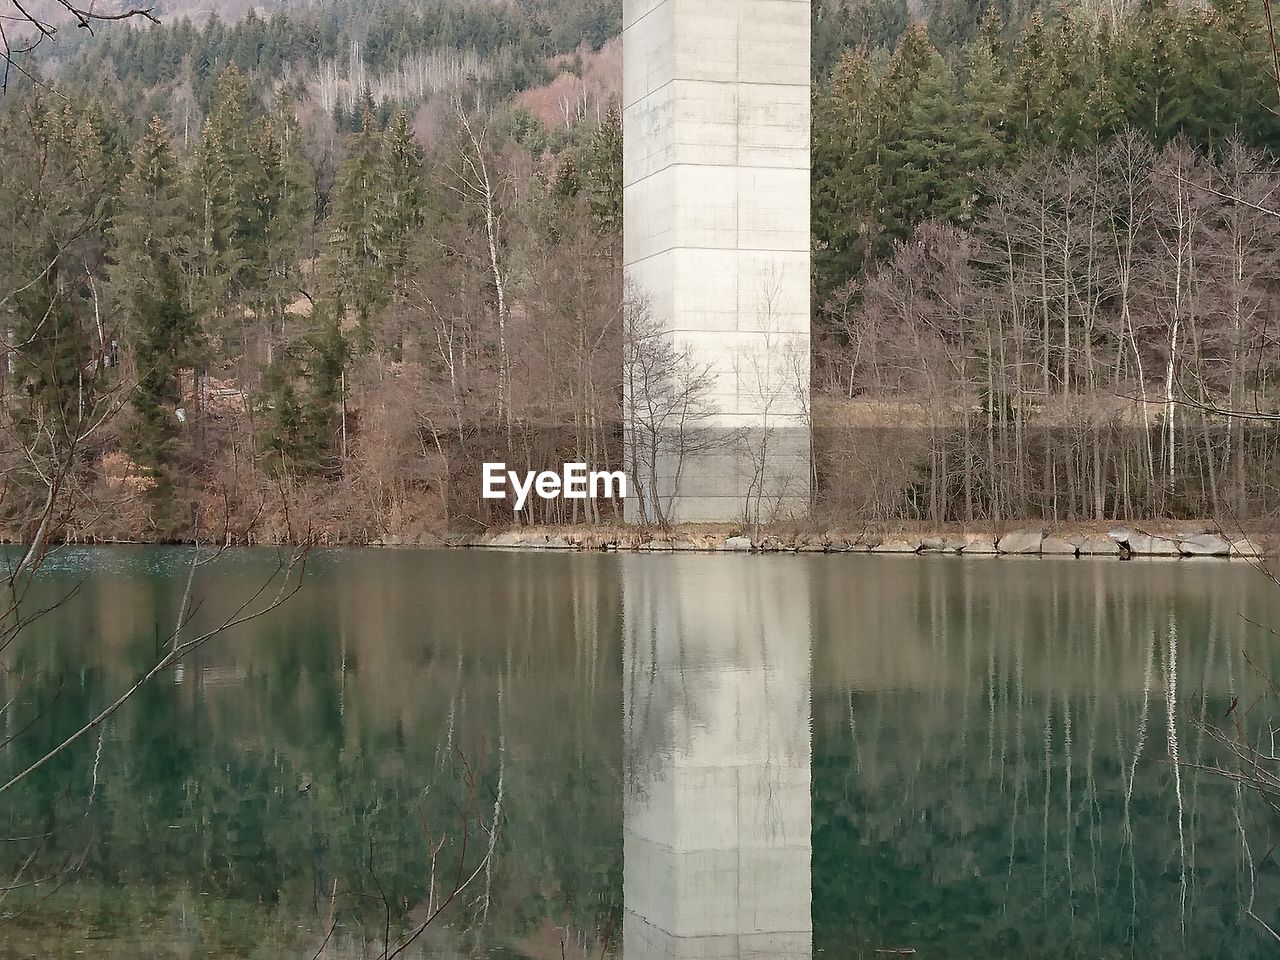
1117	542
1159	540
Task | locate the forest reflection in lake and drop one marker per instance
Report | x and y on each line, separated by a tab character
689	756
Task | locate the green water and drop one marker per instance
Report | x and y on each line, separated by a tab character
688	756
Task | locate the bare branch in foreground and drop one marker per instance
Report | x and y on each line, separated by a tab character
23	30
288	576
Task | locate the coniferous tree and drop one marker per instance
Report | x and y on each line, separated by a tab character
154	222
53	349
163	345
843	26
326	362
302	398
984	108
1153	72
280	417
53	204
847	121
601	174
355	259
567	183
220	183
912	57
281	196
1074	75
1034	86
151	235
401	202
925	177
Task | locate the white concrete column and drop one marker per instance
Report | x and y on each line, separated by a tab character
717	849
717	239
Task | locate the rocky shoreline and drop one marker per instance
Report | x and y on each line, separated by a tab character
1117	542
1120	543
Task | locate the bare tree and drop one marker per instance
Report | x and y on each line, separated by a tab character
666	412
1108	318
478	183
415	79
773	383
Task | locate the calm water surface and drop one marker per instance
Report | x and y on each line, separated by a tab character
686	756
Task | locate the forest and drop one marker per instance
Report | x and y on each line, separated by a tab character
308	270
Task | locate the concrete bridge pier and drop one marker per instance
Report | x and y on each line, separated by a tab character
717	252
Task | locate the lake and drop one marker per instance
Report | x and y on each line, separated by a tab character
648	756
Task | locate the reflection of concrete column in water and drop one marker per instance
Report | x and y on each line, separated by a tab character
717	849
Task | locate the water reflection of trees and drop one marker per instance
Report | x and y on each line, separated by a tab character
993	763
990	749
228	799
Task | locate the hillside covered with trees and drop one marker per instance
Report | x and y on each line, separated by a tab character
1047	258
308	269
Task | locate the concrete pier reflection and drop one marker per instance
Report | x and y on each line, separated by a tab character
716	667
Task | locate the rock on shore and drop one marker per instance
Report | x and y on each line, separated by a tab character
1119	542
1097	546
1021	542
1205	545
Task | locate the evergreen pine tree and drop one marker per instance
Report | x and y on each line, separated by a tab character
925	179
847	178
600	174
1034	87
984	108
163	334
1152	70
355	261
220	181
149	238
282	205
327	359
49	216
280	415
403	197
300	426
154	219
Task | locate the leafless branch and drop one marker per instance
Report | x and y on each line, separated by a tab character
23	22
